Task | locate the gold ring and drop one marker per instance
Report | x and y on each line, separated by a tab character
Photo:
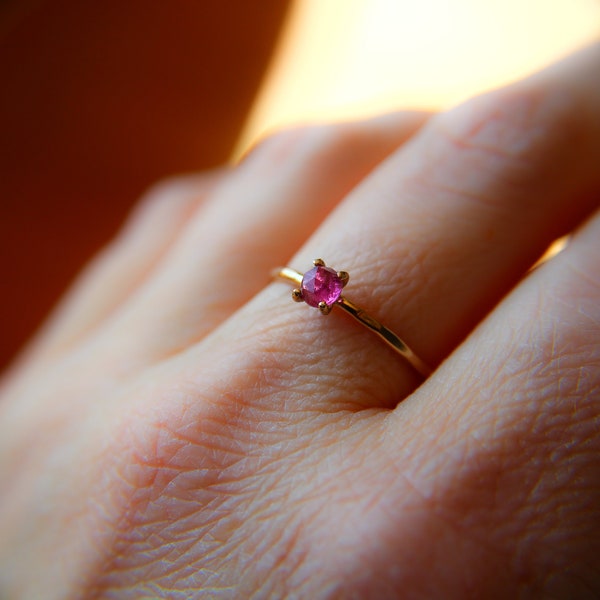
321	287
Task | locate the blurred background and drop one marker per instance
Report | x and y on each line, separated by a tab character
99	100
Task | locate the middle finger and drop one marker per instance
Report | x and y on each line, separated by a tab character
261	212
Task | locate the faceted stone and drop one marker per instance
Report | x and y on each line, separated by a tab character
321	284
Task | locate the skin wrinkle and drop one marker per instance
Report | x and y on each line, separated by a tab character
522	127
480	536
158	551
355	578
308	500
491	159
185	438
342	487
557	135
546	538
275	543
291	374
178	570
123	528
394	279
545	510
288	550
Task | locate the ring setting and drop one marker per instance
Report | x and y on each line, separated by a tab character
321	287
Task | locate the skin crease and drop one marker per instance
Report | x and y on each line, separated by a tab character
183	430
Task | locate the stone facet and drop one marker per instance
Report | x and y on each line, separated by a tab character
321	284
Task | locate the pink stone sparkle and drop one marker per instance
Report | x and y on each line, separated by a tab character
321	284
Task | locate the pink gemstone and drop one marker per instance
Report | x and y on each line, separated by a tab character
321	284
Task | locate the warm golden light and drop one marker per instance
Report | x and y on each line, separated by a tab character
348	58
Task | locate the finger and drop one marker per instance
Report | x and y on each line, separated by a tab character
514	415
120	268
471	204
437	235
261	215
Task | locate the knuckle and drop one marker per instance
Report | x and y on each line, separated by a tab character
168	203
512	136
306	146
281	147
173	191
517	123
165	190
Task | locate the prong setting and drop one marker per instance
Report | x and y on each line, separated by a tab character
321	287
324	308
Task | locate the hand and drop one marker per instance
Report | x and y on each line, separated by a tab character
182	429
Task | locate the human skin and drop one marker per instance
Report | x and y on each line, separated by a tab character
181	429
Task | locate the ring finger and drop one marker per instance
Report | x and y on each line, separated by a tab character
433	239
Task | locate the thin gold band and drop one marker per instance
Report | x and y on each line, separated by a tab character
388	336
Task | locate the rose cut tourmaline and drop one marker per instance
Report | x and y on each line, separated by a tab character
321	284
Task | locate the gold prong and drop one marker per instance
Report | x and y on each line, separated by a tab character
344	277
324	308
319	262
297	295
